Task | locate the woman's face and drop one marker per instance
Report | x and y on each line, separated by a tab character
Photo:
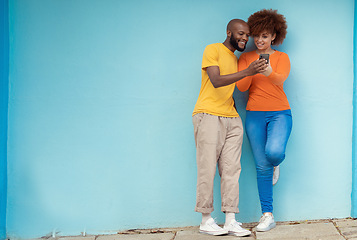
263	40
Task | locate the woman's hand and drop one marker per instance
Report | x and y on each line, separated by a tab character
268	70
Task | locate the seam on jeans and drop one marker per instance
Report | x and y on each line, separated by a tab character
200	116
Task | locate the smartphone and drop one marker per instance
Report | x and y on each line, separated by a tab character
265	56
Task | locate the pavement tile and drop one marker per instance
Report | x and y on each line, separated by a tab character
195	235
75	238
66	238
348	227
323	231
153	236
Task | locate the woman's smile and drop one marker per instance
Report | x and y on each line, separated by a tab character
263	41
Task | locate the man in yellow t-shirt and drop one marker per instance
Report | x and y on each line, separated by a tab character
218	128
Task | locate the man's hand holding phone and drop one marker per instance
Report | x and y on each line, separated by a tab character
258	66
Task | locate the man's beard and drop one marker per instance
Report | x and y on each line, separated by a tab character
234	43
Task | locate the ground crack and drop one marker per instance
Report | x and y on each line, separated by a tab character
337	228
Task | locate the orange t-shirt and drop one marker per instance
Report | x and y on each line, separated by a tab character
264	95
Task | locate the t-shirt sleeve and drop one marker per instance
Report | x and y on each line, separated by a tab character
243	84
210	57
282	70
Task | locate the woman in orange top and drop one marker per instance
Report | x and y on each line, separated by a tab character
268	119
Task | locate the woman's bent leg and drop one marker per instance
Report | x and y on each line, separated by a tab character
278	132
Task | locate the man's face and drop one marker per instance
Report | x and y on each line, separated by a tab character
239	36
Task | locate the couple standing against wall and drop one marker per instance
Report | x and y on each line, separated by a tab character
218	128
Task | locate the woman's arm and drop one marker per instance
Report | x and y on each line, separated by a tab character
282	71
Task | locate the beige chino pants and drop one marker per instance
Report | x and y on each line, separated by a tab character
218	141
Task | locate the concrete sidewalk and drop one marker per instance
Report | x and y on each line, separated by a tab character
329	229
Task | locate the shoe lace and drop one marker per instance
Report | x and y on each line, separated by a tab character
265	218
237	223
214	224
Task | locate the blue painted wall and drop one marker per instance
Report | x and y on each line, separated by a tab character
4	79
101	96
354	139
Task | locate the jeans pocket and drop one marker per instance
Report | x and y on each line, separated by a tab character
197	119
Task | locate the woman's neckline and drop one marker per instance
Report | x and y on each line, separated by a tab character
273	51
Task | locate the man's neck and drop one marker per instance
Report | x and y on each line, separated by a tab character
228	45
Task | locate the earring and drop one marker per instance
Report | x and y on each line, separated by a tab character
272	42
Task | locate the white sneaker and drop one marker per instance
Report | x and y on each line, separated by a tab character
211	227
266	223
235	229
276	174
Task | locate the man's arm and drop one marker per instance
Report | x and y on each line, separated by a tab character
219	80
245	83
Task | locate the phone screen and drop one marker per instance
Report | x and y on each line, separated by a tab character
265	56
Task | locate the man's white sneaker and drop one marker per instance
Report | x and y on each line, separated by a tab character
276	174
211	227
266	223
234	228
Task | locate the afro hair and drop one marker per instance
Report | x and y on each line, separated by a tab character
268	20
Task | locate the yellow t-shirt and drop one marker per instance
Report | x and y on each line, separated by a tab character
211	100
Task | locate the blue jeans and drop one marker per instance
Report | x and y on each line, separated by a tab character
268	133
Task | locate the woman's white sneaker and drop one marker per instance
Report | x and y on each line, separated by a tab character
276	174
234	228
211	227
266	223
